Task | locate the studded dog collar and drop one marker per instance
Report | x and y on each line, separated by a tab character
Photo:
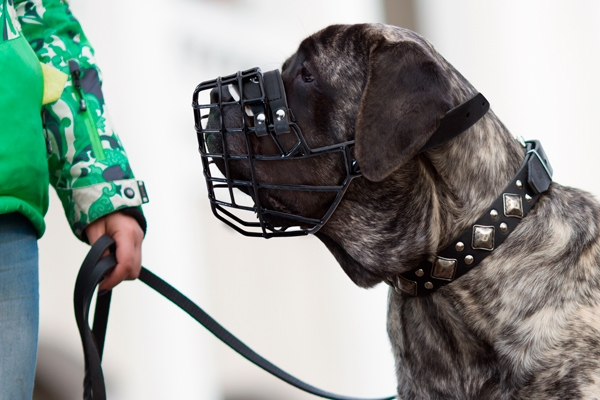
487	233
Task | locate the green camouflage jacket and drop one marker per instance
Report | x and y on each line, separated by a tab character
86	161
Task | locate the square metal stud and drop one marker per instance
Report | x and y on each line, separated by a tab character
406	286
513	205
483	237
444	268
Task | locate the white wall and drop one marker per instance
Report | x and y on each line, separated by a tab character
288	299
537	62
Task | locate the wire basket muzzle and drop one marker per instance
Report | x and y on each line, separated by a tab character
247	135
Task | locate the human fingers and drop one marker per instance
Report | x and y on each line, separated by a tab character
128	237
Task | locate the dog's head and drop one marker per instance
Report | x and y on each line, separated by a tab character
383	87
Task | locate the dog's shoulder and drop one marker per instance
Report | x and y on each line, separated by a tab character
569	220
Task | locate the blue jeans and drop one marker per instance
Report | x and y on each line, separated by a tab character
19	306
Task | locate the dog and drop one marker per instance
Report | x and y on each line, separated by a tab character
525	322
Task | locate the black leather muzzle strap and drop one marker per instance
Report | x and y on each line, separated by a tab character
458	120
277	102
276	112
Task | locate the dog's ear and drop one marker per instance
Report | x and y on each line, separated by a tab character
406	96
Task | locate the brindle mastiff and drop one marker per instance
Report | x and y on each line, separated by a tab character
523	324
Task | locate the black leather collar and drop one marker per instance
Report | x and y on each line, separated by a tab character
487	233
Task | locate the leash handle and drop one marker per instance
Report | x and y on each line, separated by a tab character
93	270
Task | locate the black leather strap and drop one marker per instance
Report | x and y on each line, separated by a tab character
499	220
277	102
94	268
458	120
253	98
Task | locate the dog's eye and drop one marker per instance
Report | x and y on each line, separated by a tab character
306	75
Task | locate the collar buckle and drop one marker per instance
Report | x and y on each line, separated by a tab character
540	171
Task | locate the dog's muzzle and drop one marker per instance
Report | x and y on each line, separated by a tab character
230	113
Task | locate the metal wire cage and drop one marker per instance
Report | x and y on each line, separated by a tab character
243	107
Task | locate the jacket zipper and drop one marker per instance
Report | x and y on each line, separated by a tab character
83	108
4	12
46	134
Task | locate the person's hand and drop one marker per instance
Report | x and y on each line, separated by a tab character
128	236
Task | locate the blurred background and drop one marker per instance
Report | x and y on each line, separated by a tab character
536	61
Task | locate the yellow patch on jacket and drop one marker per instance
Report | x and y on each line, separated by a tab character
54	83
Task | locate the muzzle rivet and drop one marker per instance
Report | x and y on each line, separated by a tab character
528	198
494	214
419	273
469	260
260	118
503	227
280	114
460	246
428	285
519	184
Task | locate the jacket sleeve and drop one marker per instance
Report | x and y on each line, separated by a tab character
88	166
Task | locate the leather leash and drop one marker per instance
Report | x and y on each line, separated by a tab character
92	271
95	267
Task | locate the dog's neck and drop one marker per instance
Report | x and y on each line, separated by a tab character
473	170
422	206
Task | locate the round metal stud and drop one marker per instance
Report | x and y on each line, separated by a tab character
494	214
460	246
280	114
129	193
519	184
419	273
260	118
503	227
528	198
428	285
469	260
